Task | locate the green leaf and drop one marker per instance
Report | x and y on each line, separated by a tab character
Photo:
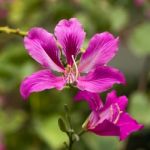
62	125
140	107
139	40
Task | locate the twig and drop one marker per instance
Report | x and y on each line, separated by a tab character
81	133
8	30
66	126
72	140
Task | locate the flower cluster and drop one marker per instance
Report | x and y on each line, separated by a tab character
64	64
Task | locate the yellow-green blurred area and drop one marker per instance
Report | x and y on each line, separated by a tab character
32	124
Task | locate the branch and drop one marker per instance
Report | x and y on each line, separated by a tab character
66	127
74	137
12	31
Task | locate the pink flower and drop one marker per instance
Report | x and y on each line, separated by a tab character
110	119
3	13
139	3
2	145
90	73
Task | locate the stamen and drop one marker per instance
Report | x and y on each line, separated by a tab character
111	112
117	118
76	68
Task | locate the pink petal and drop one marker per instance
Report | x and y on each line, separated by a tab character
111	113
112	98
40	81
42	47
127	125
92	120
70	35
102	48
106	128
100	79
93	99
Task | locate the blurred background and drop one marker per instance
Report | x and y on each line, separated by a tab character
32	124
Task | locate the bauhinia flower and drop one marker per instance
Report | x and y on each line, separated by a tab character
109	119
58	55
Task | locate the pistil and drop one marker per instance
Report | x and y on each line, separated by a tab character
76	68
71	74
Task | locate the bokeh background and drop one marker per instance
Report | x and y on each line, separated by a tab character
32	124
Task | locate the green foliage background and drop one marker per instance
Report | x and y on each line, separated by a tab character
32	124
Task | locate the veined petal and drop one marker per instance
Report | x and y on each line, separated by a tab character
111	113
102	48
41	46
70	35
93	99
40	81
127	125
112	98
92	120
100	79
106	128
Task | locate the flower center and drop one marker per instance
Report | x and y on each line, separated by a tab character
71	72
112	114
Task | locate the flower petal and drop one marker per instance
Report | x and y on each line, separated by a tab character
40	81
100	79
112	98
111	113
41	46
93	99
102	48
70	35
106	128
92	120
127	125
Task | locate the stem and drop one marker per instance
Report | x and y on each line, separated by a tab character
73	140
12	31
68	118
70	142
81	133
68	129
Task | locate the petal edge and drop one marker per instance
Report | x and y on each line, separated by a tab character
40	81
